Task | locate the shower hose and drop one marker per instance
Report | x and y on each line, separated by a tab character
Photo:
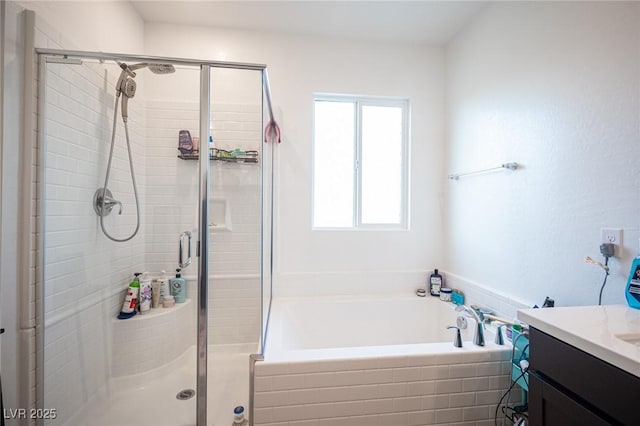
133	177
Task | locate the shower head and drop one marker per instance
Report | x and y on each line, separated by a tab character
128	87
162	68
128	90
128	71
154	68
126	84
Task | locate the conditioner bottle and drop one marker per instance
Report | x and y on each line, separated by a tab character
178	287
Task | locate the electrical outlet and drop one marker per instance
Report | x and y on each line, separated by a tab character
611	235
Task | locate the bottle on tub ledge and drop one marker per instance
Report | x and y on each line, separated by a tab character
238	417
436	282
131	299
178	287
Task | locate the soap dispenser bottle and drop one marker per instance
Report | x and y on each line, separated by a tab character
178	287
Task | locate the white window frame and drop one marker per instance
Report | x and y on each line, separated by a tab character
359	102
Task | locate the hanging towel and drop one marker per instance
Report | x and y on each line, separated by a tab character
272	131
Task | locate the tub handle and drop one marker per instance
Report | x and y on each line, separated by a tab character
457	340
499	338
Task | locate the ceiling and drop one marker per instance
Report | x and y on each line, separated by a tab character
423	21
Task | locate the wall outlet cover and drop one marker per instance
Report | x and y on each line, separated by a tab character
611	235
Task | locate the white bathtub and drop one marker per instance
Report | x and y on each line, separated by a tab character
377	360
339	327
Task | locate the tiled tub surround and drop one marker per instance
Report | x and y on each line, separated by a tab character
392	363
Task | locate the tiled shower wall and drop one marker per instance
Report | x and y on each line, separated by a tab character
172	203
84	272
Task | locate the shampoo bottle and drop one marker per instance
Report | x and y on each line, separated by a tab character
435	283
633	285
164	286
131	299
155	294
178	287
145	293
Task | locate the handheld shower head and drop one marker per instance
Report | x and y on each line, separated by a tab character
128	90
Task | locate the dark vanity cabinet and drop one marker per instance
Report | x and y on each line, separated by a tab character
568	386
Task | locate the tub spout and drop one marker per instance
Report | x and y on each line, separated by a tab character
478	337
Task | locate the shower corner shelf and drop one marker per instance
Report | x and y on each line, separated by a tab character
153	314
251	157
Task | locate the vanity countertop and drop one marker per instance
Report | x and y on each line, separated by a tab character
611	332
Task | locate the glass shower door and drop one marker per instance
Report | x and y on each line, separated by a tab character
236	232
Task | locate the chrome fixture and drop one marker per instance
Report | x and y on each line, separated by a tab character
126	86
103	202
499	338
457	340
508	166
181	262
185	394
461	321
478	337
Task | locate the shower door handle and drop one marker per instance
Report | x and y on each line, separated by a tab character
181	260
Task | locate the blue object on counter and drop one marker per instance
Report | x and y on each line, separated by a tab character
457	297
633	285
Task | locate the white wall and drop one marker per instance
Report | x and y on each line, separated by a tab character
107	26
12	38
298	67
555	87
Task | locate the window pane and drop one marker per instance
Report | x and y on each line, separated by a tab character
334	152
381	165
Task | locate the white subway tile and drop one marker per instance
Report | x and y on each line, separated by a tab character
475	384
421	418
449	415
448	386
407	404
476	413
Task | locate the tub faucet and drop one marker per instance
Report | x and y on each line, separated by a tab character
478	337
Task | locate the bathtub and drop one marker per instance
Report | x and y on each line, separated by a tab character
375	360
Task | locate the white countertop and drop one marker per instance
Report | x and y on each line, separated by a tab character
598	330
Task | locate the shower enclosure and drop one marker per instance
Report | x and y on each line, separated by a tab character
188	364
